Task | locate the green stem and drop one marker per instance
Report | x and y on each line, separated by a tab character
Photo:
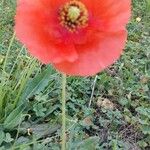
63	112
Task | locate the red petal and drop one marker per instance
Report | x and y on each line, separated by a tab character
35	23
86	52
109	15
56	54
94	60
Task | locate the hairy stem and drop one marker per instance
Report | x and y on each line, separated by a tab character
63	112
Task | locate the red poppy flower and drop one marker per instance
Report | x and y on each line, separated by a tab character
79	37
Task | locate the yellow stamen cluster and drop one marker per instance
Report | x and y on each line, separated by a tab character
73	15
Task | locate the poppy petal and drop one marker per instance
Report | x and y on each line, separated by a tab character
109	15
86	50
38	35
94	60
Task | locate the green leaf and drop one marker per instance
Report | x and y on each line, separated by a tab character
8	138
142	143
146	129
39	109
148	5
2	136
22	140
114	145
14	118
37	84
87	144
144	111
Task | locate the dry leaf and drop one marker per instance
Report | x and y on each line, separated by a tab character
105	103
88	121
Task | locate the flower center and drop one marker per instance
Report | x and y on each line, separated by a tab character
73	15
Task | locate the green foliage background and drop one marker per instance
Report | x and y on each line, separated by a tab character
30	107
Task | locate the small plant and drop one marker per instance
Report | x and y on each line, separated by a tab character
108	111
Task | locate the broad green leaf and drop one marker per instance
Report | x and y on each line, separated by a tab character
37	84
148	5
14	118
87	144
2	136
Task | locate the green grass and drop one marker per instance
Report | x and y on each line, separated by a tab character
30	108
